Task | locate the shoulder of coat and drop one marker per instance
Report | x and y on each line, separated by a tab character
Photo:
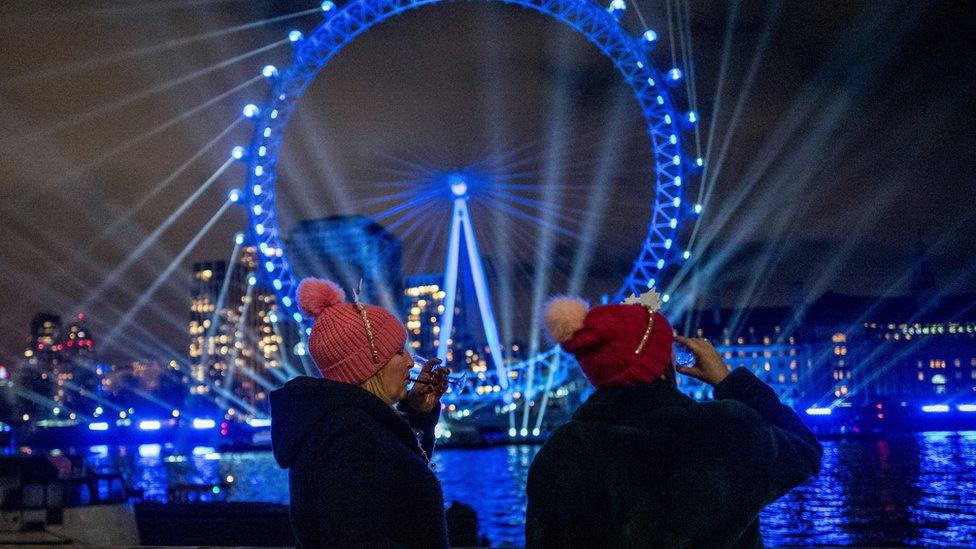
730	419
348	423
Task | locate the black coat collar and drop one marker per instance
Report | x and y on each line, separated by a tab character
303	403
613	404
381	412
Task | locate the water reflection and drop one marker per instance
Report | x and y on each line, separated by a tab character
817	510
897	490
154	469
944	512
493	482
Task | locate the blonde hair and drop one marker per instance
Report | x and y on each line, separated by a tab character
374	386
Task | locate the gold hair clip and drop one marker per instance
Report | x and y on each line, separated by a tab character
652	302
365	317
647	332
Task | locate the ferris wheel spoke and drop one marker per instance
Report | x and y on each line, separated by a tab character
540	218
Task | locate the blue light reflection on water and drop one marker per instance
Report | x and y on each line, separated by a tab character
493	482
816	510
895	490
947	485
154	472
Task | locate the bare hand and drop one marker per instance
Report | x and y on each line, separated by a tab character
424	396
709	366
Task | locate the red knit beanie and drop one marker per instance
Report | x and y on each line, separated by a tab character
340	343
604	340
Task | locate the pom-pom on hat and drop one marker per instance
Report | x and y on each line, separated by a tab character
615	345
343	344
315	294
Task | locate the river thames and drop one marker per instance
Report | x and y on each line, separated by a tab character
911	489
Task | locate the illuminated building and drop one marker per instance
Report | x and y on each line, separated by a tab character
920	347
757	339
424	306
57	368
235	345
930	360
77	338
43	371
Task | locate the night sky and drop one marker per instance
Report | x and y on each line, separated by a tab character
840	144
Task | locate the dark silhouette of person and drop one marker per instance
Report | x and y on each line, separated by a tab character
357	474
462	526
640	464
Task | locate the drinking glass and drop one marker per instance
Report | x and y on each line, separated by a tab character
682	356
455	383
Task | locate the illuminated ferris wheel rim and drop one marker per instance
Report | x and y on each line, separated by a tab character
599	25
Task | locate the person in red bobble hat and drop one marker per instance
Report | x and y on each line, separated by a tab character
640	464
357	473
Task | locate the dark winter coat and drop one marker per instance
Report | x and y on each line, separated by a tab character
357	475
647	466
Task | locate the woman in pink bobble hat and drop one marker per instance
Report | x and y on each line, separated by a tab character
357	473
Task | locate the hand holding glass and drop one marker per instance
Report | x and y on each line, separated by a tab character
455	384
683	358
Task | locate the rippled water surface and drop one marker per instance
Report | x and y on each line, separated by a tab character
898	490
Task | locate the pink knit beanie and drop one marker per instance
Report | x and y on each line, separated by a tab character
340	343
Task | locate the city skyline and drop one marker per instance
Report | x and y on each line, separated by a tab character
853	214
543	192
921	284
868	362
918	348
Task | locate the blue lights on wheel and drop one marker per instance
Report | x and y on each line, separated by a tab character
340	25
